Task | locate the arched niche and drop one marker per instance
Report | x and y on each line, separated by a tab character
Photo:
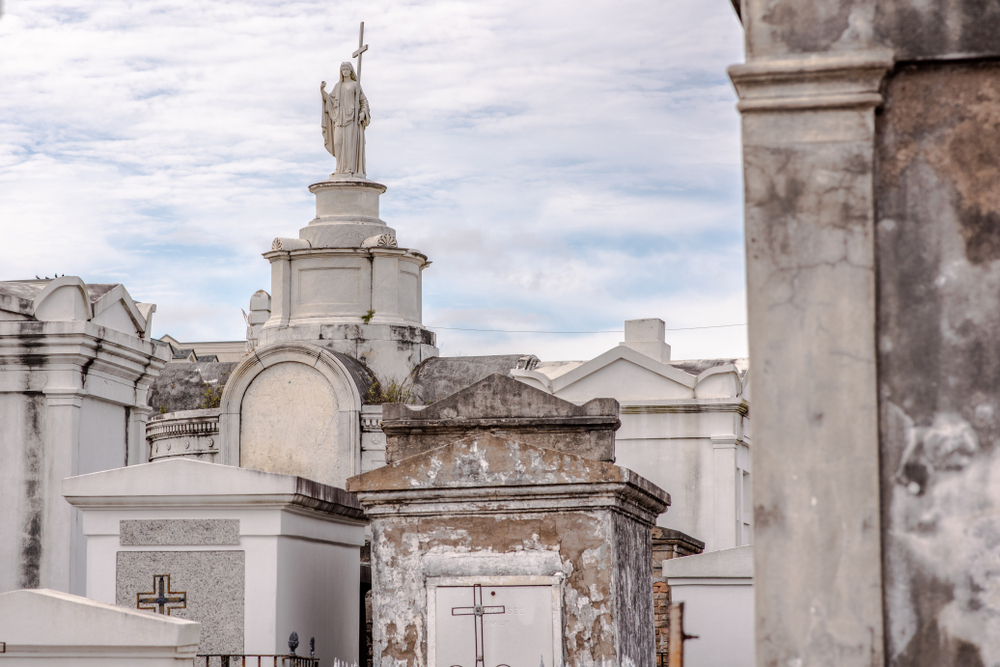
293	408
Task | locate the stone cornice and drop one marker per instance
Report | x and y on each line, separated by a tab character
405	254
344	182
620	497
833	80
77	356
407	426
686	406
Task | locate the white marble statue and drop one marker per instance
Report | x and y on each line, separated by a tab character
345	117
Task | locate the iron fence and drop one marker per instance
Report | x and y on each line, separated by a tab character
254	660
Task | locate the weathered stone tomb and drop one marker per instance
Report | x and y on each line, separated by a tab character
489	548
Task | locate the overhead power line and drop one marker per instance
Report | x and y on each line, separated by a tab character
532	331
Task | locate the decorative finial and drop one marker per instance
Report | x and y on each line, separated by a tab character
293	642
312	648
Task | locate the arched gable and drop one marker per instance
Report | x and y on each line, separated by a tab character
293	408
65	298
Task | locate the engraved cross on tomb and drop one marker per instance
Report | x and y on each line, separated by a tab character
478	610
511	626
161	599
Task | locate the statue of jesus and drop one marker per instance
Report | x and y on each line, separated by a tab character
345	117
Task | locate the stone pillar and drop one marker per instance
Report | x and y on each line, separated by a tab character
808	129
483	538
727	502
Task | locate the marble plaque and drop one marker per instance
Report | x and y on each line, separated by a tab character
203	586
184	532
289	424
511	625
341	285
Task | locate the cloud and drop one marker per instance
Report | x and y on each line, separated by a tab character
566	165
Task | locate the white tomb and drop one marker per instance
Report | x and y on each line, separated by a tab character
45	628
253	556
717	591
684	426
76	363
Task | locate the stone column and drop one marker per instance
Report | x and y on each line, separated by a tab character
808	135
281	287
726	487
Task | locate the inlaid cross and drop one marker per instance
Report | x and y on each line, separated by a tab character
478	610
161	599
361	49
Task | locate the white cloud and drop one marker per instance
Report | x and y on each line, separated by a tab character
565	164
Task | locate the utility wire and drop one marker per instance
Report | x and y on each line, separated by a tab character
710	326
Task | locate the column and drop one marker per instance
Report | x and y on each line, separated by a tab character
808	136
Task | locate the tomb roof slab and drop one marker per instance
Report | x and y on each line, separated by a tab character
42	621
192	483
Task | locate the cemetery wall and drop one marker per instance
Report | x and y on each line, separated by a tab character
938	239
871	164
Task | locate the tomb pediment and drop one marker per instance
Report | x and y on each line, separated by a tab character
502	405
631	375
68	298
116	310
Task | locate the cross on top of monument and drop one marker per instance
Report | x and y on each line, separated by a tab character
361	49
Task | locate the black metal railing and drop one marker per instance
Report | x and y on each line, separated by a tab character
254	660
264	659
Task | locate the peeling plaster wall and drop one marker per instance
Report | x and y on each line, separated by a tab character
584	542
938	242
633	544
873	293
912	30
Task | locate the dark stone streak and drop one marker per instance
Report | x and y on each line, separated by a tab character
31	536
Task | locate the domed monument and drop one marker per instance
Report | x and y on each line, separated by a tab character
345	313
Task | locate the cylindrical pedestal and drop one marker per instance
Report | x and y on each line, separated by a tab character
346	213
189	433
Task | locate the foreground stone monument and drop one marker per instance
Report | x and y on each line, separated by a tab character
493	543
871	162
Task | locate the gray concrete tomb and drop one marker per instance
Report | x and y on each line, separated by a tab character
490	549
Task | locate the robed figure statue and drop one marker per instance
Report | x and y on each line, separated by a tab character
345	116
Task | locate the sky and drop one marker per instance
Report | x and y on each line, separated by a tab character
566	165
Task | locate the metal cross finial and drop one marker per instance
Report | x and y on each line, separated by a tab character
361	49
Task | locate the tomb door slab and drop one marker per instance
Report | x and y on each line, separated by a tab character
493	626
